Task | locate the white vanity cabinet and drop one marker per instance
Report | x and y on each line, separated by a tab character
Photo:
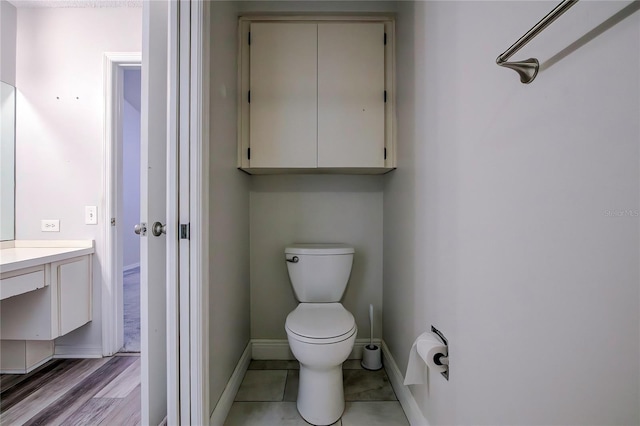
316	95
45	293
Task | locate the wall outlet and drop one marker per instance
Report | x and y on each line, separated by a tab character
50	225
91	215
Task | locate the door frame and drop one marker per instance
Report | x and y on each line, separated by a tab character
192	134
199	199
112	292
188	203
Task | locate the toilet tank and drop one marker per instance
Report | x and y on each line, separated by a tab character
319	272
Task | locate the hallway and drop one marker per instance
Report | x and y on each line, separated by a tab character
131	307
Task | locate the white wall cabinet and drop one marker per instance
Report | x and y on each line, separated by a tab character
316	95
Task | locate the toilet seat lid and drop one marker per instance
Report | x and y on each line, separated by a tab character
320	320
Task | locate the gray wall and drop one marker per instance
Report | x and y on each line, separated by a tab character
512	220
8	31
229	210
59	146
314	209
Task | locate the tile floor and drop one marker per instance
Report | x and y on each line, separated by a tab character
269	389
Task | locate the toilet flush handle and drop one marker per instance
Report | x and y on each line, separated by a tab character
294	259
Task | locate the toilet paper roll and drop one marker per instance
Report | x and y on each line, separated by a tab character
426	346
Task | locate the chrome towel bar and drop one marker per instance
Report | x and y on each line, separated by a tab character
528	69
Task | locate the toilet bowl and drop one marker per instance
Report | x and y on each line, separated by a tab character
321	337
320	331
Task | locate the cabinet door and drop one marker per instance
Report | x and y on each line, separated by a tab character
283	87
351	94
73	281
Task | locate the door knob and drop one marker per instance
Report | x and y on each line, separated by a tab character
158	229
140	229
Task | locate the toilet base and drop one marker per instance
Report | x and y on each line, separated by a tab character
321	394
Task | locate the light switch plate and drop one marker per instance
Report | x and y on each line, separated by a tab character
91	215
50	225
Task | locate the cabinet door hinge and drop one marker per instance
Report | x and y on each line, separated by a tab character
385	153
249	153
249	38
385	39
249	96
185	231
385	96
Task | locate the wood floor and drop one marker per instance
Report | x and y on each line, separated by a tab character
102	391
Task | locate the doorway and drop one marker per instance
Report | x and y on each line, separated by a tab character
130	177
122	203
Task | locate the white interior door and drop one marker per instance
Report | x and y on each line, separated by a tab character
153	208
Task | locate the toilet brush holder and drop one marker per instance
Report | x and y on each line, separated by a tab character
371	357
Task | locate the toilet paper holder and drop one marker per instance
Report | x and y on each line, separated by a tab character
442	359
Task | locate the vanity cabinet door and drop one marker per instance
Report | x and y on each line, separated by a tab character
283	95
73	281
351	93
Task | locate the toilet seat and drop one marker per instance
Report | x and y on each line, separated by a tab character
320	323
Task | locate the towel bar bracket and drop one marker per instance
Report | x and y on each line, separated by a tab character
528	69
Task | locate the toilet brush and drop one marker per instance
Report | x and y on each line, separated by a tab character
371	355
371	323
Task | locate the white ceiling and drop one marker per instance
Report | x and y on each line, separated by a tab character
75	4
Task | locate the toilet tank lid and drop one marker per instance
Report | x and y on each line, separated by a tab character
319	249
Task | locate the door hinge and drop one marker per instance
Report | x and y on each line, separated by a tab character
185	231
385	153
248	153
249	96
249	39
385	96
385	39
113	221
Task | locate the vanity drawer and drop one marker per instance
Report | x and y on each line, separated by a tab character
22	281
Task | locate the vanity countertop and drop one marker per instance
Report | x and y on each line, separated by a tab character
22	254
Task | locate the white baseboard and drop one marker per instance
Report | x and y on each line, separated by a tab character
278	349
26	370
408	402
270	349
38	364
128	268
225	402
63	351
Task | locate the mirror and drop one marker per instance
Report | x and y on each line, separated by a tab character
7	161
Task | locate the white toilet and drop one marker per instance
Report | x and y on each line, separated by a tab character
320	330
